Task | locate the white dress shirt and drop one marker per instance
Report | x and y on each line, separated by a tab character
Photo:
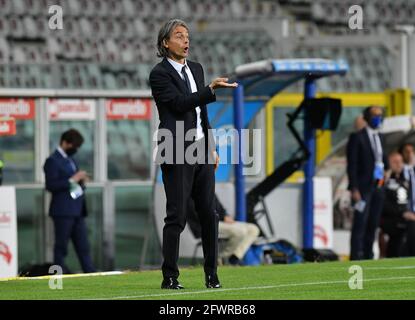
178	67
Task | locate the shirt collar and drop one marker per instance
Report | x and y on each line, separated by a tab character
371	131
62	152
176	65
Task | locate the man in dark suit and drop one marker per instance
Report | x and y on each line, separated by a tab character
181	96
67	208
366	162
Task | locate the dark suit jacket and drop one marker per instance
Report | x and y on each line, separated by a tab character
361	161
394	206
175	103
58	170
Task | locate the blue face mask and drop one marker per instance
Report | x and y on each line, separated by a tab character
376	121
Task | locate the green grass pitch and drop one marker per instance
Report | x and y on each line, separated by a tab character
382	279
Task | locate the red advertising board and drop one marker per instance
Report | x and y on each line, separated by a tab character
71	109
17	108
7	127
130	109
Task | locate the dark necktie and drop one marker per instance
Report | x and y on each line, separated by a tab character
186	79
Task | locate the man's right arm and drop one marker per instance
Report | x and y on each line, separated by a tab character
352	161
166	93
54	182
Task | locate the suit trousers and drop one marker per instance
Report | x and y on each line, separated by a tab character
181	183
365	225
73	228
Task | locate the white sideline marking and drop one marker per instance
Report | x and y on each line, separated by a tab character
390	268
64	276
250	288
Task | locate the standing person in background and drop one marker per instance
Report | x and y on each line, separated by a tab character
408	154
68	208
407	151
366	163
397	214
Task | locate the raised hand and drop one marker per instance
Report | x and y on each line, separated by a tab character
222	83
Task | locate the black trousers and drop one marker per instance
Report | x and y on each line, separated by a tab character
409	249
182	182
365	224
395	246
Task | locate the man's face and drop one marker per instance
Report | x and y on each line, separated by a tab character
408	154
376	111
376	117
396	163
69	148
178	43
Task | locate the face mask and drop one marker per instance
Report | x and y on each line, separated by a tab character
71	151
376	121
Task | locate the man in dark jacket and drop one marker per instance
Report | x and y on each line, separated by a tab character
67	208
179	90
366	163
396	212
407	151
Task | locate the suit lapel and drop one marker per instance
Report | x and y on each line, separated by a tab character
66	162
368	143
175	75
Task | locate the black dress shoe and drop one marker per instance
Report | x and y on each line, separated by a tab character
212	281
171	283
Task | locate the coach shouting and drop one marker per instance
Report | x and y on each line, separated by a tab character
181	96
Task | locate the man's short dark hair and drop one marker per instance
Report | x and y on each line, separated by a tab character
73	136
367	112
165	33
404	145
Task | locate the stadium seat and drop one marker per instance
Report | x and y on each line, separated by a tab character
109	81
15	27
127	8
6	7
19	7
4	51
114	8
183	9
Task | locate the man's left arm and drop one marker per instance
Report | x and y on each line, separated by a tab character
211	139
